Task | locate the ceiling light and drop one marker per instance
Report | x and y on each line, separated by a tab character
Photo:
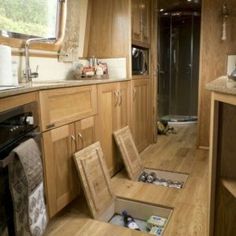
161	10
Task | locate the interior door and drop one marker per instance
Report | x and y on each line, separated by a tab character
181	65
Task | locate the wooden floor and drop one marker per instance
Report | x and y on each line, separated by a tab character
176	152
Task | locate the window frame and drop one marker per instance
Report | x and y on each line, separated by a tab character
60	31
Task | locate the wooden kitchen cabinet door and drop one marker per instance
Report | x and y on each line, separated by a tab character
145	22
109	28
136	21
85	132
141	12
140	122
65	105
124	104
107	120
62	184
113	114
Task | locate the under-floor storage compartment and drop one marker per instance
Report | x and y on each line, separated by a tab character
104	205
135	169
166	178
143	215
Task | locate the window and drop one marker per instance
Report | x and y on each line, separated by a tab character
22	18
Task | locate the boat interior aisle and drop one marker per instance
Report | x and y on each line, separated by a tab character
117	117
175	153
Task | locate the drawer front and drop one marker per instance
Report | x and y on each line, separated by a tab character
62	106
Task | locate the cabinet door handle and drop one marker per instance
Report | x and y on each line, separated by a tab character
134	93
116	94
50	126
121	98
81	138
73	141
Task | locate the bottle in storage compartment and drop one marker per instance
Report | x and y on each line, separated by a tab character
129	221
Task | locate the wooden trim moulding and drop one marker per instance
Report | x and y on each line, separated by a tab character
19	43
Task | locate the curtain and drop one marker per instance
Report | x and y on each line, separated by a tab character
70	46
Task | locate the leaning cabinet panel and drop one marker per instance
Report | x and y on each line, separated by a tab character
61	106
102	203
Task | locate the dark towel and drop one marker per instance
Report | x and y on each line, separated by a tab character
26	185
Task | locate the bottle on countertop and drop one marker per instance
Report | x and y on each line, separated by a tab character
129	221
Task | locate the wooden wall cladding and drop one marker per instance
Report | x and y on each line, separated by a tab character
110	28
213	57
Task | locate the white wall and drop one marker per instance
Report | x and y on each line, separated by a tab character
51	69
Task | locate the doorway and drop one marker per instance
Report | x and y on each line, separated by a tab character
179	46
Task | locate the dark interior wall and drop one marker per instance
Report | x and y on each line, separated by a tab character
213	56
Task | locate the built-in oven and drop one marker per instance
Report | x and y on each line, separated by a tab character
16	126
139	61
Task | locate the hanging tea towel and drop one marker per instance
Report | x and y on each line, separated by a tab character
26	185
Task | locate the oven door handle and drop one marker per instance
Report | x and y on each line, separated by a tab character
33	134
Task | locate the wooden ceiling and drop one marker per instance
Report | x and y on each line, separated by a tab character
180	5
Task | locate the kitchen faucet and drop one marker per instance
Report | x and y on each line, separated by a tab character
27	73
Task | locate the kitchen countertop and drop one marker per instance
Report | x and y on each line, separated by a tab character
44	85
220	85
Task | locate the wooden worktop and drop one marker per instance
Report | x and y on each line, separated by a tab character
220	85
44	85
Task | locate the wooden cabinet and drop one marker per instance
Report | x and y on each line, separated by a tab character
68	112
62	184
61	180
222	162
113	114
109	28
64	105
140	108
141	22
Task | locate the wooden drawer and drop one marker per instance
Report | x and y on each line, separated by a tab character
65	105
17	100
